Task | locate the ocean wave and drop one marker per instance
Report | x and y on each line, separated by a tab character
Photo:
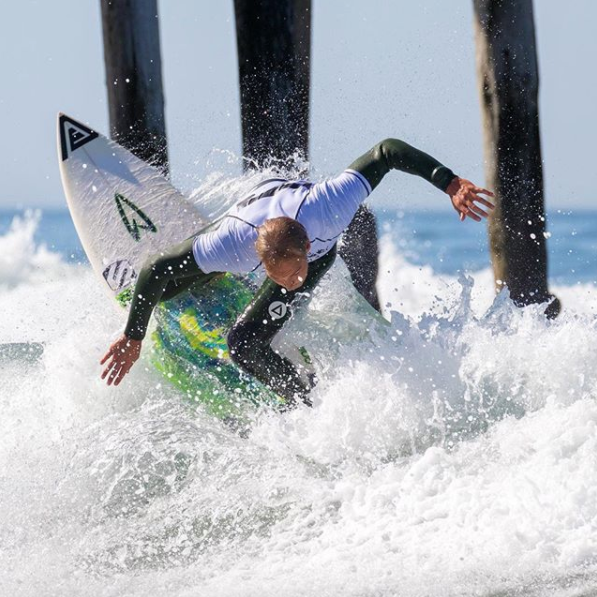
22	260
451	452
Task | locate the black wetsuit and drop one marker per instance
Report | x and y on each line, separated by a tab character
249	340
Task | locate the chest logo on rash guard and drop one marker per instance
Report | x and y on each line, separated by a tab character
277	310
128	212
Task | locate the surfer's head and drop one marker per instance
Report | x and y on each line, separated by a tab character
283	245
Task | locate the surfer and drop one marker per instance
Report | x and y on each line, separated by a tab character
290	229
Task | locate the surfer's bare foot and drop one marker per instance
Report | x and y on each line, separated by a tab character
122	354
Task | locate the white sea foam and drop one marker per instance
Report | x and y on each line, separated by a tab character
455	455
20	258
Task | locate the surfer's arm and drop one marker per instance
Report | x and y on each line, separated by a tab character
163	276
394	154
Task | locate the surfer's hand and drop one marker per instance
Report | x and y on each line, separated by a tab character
465	195
122	354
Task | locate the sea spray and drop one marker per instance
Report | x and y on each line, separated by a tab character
452	454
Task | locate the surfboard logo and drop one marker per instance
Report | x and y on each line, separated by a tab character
73	135
277	310
132	225
119	275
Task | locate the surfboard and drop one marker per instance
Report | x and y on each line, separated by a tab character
125	210
122	208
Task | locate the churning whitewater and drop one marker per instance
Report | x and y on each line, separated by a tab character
453	453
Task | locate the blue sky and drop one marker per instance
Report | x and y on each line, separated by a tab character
395	68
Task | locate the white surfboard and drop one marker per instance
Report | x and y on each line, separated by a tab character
123	209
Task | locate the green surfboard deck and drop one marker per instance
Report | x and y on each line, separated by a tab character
190	349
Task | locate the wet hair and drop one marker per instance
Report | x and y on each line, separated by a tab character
279	239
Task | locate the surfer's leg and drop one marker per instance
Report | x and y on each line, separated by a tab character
249	339
163	276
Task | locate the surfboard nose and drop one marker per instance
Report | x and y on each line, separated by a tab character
72	135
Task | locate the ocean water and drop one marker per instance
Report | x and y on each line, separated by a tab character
434	238
453	454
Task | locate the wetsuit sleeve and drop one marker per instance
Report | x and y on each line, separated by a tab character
162	277
393	154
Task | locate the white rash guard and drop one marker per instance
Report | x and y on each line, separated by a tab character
325	209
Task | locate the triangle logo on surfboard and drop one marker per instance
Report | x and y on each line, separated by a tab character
128	210
73	135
